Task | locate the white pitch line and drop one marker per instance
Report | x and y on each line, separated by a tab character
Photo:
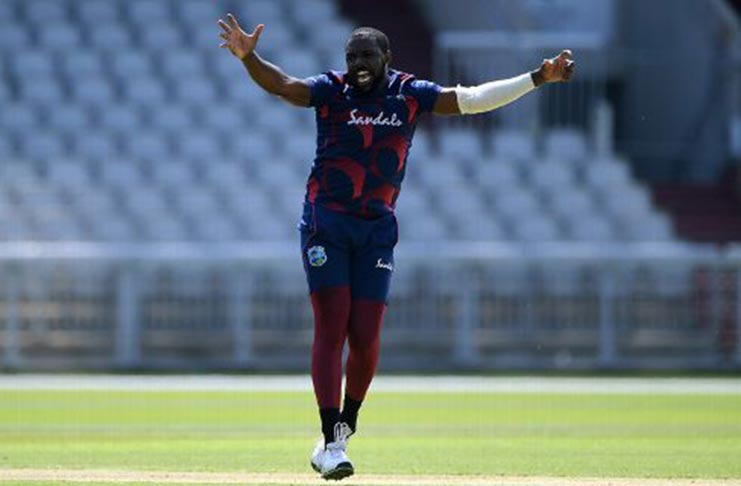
445	383
98	476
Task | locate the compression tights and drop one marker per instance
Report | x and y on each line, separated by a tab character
338	317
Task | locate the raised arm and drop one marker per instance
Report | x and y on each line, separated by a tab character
495	94
268	76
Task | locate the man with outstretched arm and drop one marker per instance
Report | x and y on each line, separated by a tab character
365	118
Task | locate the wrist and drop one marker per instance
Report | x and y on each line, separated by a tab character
538	78
247	56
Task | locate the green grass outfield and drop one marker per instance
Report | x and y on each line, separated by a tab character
567	435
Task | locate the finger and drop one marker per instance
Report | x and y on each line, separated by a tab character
223	25
258	31
566	54
224	45
224	36
233	21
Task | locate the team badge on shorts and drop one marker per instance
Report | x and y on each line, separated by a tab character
317	256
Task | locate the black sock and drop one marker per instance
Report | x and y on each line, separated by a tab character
349	413
330	416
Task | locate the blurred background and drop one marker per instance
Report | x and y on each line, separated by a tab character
149	191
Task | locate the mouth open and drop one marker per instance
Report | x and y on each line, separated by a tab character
363	77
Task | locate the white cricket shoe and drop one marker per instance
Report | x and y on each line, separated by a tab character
332	461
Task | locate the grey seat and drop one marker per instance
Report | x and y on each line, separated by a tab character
18	118
182	65
13	37
227	120
513	144
199	145
60	37
69	118
145	91
32	64
94	145
91	12
460	144
171	118
93	92
121	119
566	143
42	145
194	14
44	12
536	229
110	37
42	91
131	64
161	39
147	146
78	65
195	91
145	12
7	147
120	173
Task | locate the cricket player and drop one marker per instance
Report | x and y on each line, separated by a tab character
365	119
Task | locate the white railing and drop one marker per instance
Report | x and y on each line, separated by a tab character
453	305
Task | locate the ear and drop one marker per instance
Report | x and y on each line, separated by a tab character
387	58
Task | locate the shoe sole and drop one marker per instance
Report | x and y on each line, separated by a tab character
315	467
342	471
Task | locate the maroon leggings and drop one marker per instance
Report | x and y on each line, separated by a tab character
338	317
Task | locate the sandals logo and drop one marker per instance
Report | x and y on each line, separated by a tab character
381	119
317	256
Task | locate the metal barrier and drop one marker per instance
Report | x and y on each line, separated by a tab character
67	306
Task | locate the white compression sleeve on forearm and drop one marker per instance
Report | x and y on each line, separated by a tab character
492	95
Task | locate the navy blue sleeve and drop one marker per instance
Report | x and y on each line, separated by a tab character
321	87
426	93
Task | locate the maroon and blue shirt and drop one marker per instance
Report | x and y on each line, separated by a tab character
363	141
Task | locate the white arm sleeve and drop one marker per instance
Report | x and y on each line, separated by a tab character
492	95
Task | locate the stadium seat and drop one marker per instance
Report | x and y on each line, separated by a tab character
201	146
59	37
18	118
68	118
512	144
147	12
94	145
145	91
194	14
120	173
91	12
261	11
460	144
44	12
120	119
181	65
536	229
32	64
79	65
195	91
313	12
41	91
551	177
590	228
131	64
566	143
13	37
109	37
42	145
171	118
93	92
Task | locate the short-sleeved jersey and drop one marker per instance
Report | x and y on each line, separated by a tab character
363	141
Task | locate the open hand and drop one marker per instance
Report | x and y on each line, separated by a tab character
239	42
559	68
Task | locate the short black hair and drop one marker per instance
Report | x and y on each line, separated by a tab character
381	40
